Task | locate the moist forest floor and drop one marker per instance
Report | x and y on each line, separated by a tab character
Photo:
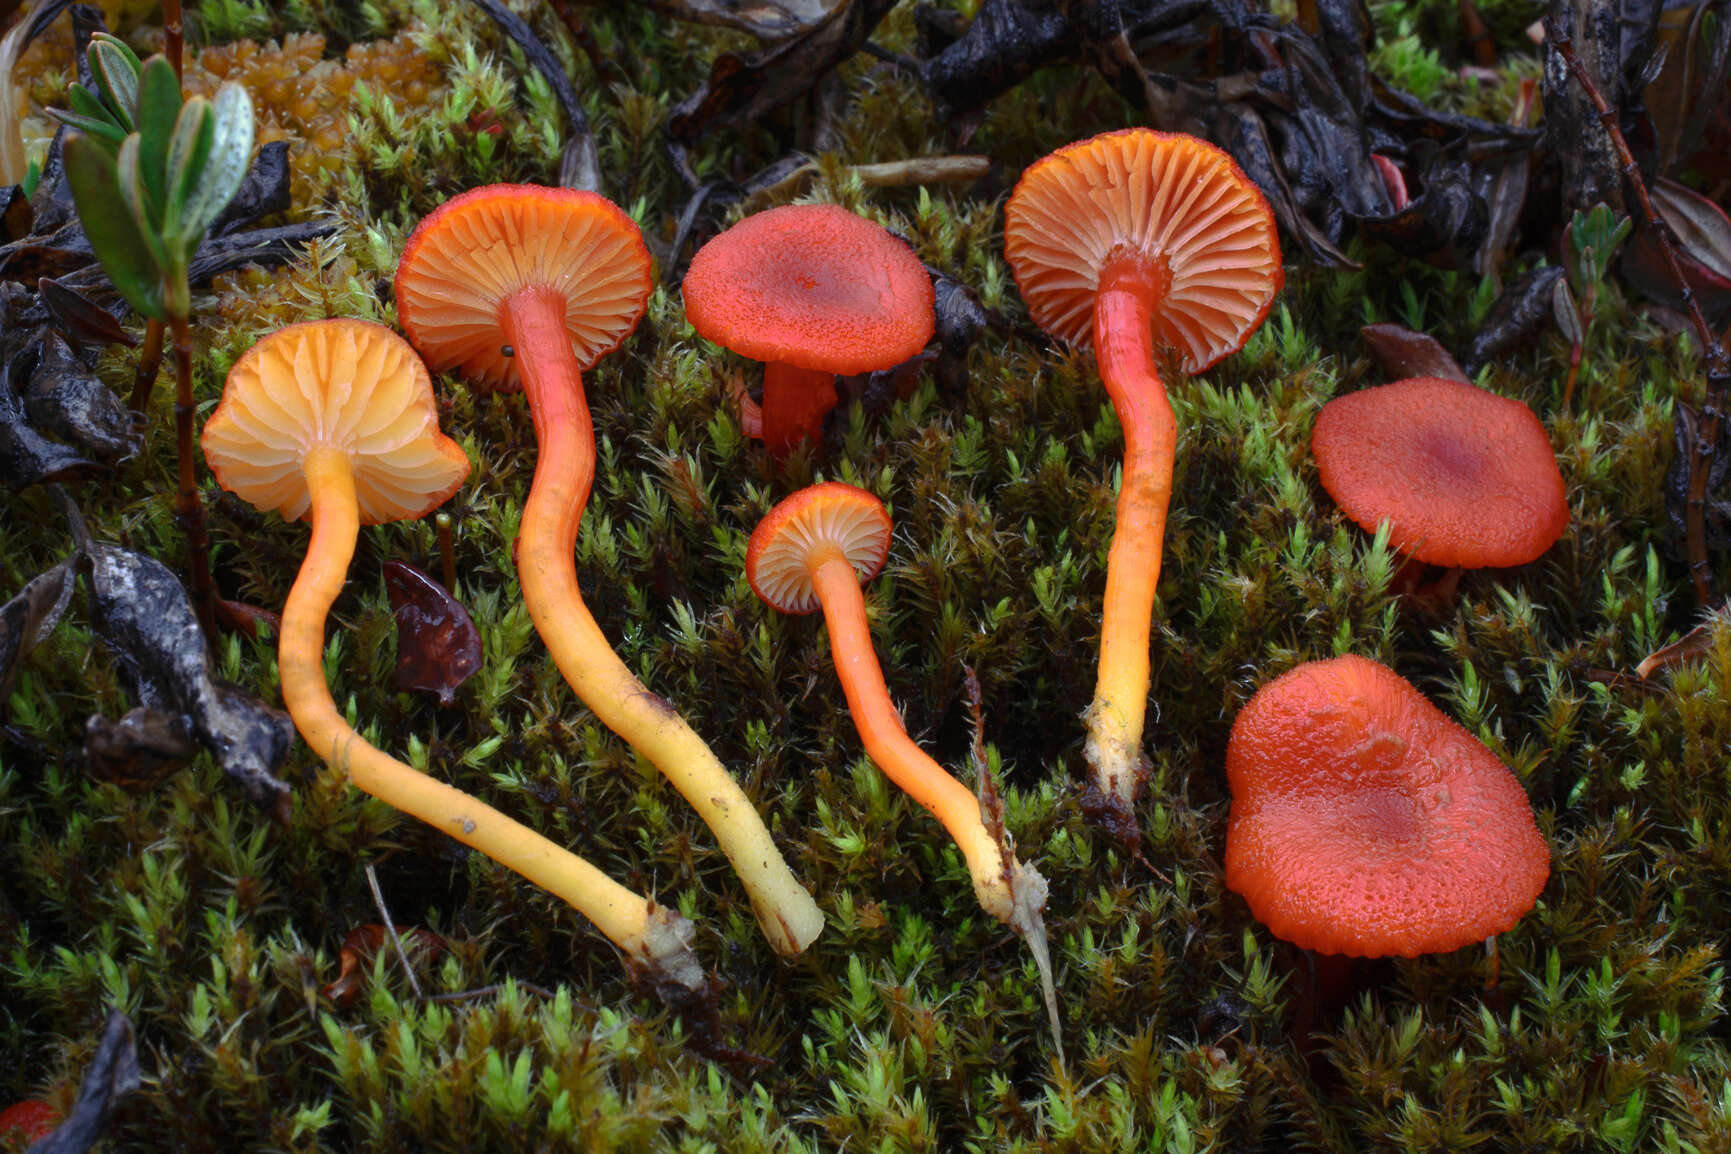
914	1022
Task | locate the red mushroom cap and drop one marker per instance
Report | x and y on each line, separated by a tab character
1174	200
830	515
472	253
814	286
1365	822
1464	477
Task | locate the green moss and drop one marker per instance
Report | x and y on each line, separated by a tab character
914	1022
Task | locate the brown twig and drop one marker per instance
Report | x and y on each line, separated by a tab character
1718	365
173	38
149	364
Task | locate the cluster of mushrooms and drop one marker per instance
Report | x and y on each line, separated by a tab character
1364	821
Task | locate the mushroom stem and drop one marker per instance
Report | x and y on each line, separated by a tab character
795	402
1130	288
534	324
651	936
995	872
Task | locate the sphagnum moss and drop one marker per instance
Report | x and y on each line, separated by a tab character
914	1024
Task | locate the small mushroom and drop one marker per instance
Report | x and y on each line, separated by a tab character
1136	241
518	285
1465	478
811	290
813	551
335	421
1365	822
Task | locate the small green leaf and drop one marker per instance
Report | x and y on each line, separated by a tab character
104	130
132	195
187	156
93	175
115	68
158	112
226	162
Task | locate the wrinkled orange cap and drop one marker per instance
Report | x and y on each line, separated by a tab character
1176	201
1365	822
479	248
342	384
1464	477
814	286
819	517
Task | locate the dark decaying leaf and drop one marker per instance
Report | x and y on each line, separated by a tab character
960	320
67	399
112	1074
1717	514
26	456
264	190
146	617
743	89
1614	40
1445	223
1006	41
139	750
79	319
1400	353
438	646
363	944
31	615
764	19
1703	245
1519	315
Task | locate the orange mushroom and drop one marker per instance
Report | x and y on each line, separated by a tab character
1365	822
811	290
813	551
1135	241
517	285
335	421
1465	478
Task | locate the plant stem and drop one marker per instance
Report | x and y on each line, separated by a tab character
188	509
172	35
149	364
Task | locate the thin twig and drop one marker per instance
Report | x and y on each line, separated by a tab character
1718	365
391	932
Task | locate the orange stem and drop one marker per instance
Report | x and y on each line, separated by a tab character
649	935
887	743
1130	287
795	402
534	323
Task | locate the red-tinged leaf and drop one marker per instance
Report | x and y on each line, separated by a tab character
438	646
30	1119
1403	353
1703	244
363	944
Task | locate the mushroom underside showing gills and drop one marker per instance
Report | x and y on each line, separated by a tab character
560	278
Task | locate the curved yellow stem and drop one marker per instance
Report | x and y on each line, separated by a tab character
547	538
651	936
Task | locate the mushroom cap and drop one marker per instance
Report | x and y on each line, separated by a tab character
1365	822
1174	200
475	251
342	384
1464	477
814	286
777	560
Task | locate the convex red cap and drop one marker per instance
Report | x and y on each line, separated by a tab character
475	251
1365	822
1464	477
830	516
1173	200
814	286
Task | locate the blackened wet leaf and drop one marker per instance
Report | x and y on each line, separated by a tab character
26	456
438	646
67	399
764	19
146	617
111	1075
1517	316
264	190
1446	222
1006	41
959	322
139	750
80	319
363	944
1401	353
1717	514
32	615
741	90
